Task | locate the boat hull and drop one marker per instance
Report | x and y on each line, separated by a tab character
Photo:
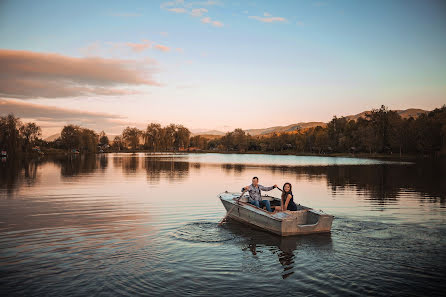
303	221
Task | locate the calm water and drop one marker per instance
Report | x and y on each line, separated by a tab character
123	224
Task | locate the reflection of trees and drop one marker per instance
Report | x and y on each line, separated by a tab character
15	171
283	247
380	183
130	164
103	160
229	168
73	165
172	170
384	182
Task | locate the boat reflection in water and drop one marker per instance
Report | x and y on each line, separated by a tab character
286	248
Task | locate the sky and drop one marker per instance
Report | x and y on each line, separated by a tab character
217	65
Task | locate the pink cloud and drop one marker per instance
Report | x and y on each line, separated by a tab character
198	12
268	18
28	75
162	48
178	10
180	6
208	20
139	47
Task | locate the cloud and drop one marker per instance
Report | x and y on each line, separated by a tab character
52	119
162	48
267	14
177	10
180	6
139	47
267	18
172	3
43	112
208	20
146	44
198	12
28	75
97	49
164	34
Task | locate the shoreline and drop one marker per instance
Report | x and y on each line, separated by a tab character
395	156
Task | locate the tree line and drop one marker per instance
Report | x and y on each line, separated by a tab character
17	137
380	131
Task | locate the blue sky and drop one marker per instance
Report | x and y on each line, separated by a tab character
219	62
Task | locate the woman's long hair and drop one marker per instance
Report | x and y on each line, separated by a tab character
285	194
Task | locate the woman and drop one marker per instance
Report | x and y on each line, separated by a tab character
287	202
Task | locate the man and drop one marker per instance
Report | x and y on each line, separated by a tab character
255	196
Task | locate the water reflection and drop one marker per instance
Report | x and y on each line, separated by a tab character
381	184
173	171
122	224
256	242
233	168
74	165
130	164
14	172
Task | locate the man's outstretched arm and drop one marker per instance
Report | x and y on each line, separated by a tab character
267	188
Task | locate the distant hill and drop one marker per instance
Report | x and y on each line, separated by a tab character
207	132
57	135
411	112
52	137
282	129
405	114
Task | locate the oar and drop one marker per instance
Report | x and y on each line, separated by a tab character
222	220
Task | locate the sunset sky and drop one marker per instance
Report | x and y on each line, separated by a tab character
217	64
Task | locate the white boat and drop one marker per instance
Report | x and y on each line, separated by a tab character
285	223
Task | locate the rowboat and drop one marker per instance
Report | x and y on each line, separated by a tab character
285	223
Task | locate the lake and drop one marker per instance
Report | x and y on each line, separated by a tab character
146	224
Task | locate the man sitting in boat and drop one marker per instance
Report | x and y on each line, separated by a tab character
255	195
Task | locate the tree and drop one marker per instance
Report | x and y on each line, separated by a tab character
199	142
70	137
103	139
131	136
9	133
181	137
152	136
240	139
167	137
89	140
117	143
380	120
30	132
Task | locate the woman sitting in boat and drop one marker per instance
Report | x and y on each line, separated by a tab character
287	202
